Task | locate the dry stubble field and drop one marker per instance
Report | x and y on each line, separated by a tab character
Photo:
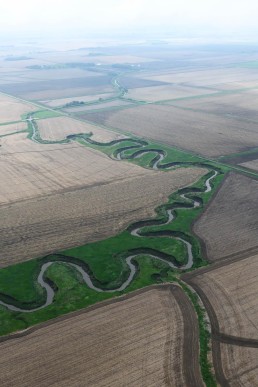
12	109
205	134
215	78
230	295
58	128
29	169
36	227
147	339
232	291
165	92
229	225
12	128
242	105
240	365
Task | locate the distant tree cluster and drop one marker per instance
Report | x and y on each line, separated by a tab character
74	103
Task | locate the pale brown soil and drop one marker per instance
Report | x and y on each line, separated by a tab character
12	109
251	165
166	92
242	105
206	77
240	365
66	92
232	291
28	169
59	127
98	210
148	339
207	134
12	128
229	225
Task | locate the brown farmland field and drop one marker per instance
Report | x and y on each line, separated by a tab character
205	134
251	164
242	105
28	169
240	365
232	291
229	225
33	228
59	127
12	109
67	93
166	92
12	128
58	88
146	339
214	78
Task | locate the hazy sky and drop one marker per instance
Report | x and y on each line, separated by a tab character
45	16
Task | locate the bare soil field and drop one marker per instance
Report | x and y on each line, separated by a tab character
147	339
240	365
12	109
83	98
159	93
251	164
232	292
12	128
53	74
207	77
30	170
67	93
35	89
241	105
134	82
35	227
229	225
205	134
59	127
238	85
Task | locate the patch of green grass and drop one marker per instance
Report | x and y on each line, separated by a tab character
41	114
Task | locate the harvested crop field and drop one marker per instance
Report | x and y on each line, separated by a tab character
229	225
251	164
30	169
12	109
167	92
212	77
231	290
33	228
28	88
242	105
147	339
206	134
12	128
52	93
240	365
58	128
